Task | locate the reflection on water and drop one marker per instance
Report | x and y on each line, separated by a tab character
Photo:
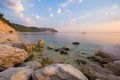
64	38
89	42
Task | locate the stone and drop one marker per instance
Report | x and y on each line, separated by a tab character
19	73
46	61
110	53
94	71
63	52
75	43
51	47
57	50
9	39
41	43
67	48
10	56
22	45
113	77
114	67
58	72
32	65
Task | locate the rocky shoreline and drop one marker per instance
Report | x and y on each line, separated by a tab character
17	62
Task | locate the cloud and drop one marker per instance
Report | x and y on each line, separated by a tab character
111	10
68	2
68	11
38	17
39	0
51	15
49	9
14	5
59	11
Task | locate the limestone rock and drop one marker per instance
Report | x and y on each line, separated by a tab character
20	73
10	56
32	65
58	72
93	71
113	77
110	53
114	67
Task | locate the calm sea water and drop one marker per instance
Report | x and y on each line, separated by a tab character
89	42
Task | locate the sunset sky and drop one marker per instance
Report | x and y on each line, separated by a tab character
65	15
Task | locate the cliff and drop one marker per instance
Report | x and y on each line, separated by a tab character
23	28
5	27
8	27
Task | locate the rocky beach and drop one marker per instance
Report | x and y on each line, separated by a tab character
19	61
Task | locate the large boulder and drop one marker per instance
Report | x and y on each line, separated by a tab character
58	72
20	73
10	56
113	77
109	53
114	67
94	71
9	39
23	45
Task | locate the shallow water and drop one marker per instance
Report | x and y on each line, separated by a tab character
89	42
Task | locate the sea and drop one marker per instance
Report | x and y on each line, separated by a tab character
90	43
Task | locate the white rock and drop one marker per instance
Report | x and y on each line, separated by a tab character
58	72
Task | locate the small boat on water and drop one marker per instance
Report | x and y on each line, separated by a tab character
83	33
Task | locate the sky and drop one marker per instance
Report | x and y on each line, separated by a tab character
65	15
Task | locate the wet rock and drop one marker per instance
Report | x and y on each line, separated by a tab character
67	48
57	50
41	43
10	56
114	67
93	71
51	47
81	53
32	65
20	73
46	61
58	72
63	52
109	53
75	43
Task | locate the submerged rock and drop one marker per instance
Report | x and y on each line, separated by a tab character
57	50
58	72
10	56
51	47
67	48
41	43
20	73
63	52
